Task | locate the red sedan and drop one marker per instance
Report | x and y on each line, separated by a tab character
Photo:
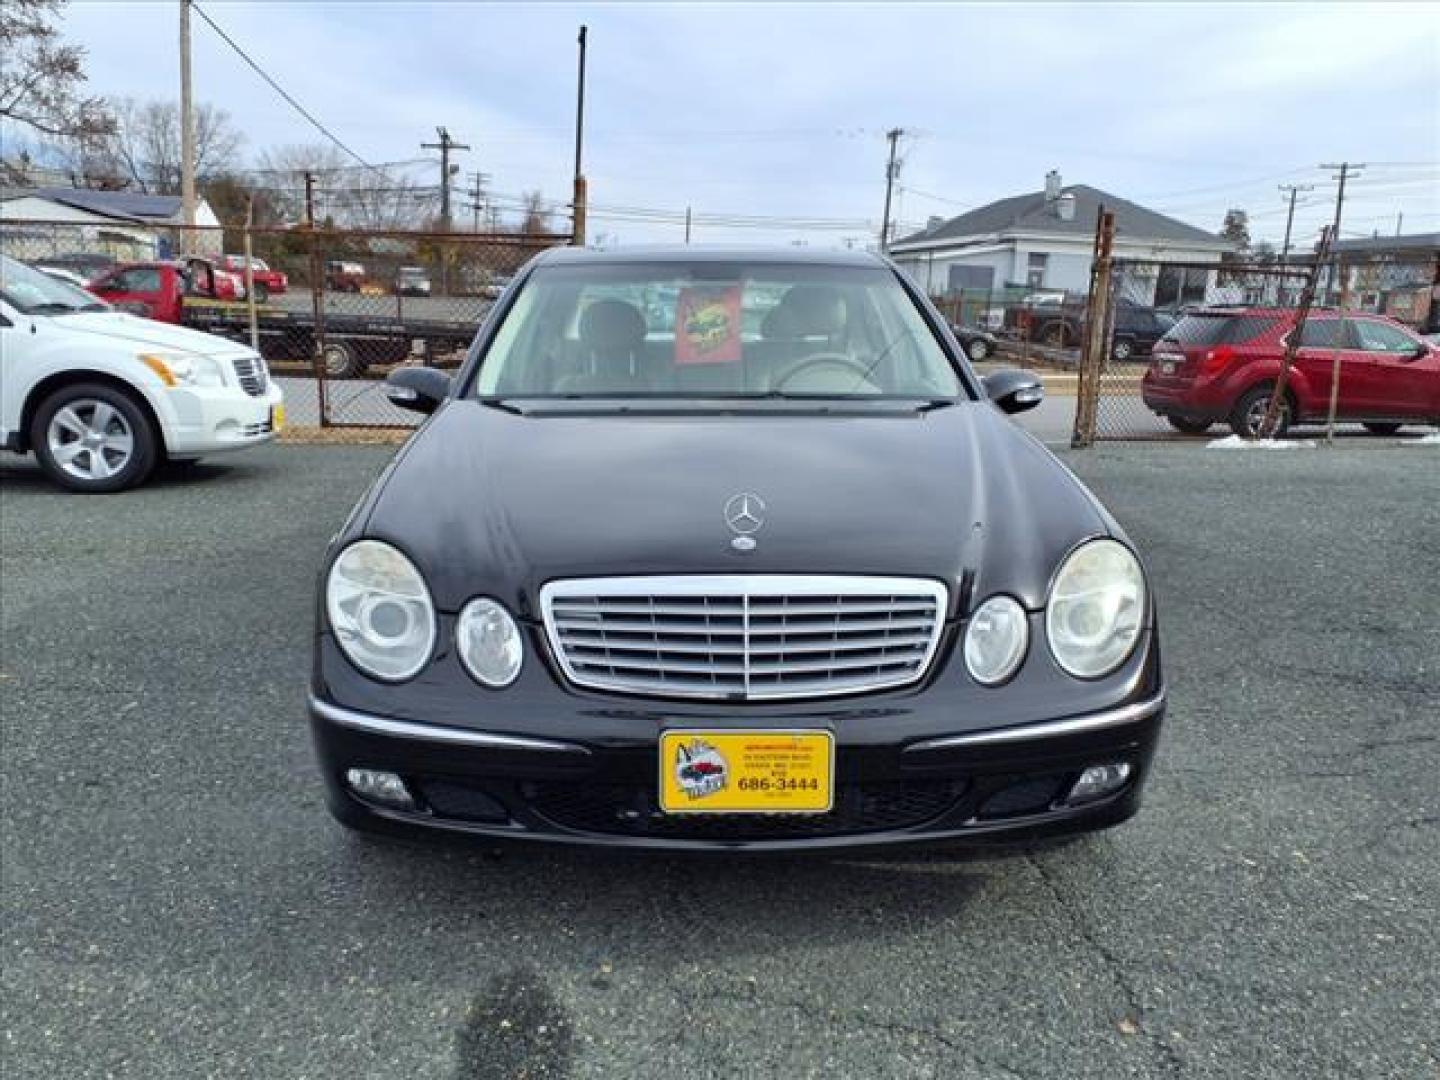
1221	364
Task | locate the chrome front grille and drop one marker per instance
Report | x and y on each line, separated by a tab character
743	637
250	370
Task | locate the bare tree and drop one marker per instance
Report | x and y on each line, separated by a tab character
535	220
281	171
347	195
40	78
144	148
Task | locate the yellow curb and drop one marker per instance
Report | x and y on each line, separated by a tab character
345	436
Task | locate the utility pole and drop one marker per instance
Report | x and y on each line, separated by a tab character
187	133
1346	171
1399	220
687	224
310	200
892	170
578	204
445	145
477	197
1293	190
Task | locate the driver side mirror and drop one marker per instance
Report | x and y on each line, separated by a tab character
1014	390
420	389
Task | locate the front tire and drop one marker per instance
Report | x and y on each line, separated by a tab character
1188	427
1249	413
978	350
1122	350
340	361
91	437
262	292
1386	428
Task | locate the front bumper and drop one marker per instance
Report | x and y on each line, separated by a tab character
209	420
999	785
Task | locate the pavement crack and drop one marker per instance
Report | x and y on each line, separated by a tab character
1135	1009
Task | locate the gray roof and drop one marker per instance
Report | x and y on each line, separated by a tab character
1032	213
127	205
1412	242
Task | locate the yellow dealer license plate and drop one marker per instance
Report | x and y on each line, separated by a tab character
746	772
277	417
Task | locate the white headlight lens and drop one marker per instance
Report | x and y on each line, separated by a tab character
185	369
489	643
1096	609
995	640
380	610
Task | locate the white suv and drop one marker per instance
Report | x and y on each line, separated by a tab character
101	397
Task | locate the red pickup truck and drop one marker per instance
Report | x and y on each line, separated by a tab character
157	290
267	282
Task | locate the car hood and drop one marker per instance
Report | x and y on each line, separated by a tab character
490	502
148	332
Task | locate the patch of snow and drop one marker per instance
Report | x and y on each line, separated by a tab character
1425	440
1235	442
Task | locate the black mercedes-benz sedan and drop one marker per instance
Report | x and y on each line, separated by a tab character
729	549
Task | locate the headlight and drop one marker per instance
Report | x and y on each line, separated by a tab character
489	643
380	610
1096	609
183	369
995	640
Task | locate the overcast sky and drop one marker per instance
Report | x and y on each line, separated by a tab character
780	111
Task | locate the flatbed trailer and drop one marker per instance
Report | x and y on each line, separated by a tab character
352	343
189	294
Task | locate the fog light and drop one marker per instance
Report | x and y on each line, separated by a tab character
1099	780
380	786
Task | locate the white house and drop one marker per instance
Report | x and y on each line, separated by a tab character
1042	241
35	222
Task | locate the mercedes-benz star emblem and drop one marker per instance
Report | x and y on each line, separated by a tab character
744	513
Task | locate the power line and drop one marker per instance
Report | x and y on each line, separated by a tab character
277	87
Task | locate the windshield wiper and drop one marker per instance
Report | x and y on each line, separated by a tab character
51	308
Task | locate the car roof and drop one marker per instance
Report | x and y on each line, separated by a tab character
693	253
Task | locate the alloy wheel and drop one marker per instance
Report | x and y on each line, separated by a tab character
1255	416
90	439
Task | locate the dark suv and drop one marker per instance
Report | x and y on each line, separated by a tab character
1137	327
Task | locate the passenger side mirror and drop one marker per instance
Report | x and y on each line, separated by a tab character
1013	390
420	389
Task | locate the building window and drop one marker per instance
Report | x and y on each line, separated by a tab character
1036	262
1176	286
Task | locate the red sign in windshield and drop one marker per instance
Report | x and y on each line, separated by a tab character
707	325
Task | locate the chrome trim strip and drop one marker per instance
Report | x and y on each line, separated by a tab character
1051	729
741	586
450	736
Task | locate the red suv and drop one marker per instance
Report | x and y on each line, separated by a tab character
1222	363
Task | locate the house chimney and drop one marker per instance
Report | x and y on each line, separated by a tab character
1052	185
1065	207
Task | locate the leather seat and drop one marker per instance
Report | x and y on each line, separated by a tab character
612	350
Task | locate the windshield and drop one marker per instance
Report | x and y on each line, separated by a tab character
32	292
706	330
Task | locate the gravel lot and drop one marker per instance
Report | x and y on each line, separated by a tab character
177	903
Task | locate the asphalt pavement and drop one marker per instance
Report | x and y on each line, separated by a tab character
178	904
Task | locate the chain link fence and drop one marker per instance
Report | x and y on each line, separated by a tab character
332	312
